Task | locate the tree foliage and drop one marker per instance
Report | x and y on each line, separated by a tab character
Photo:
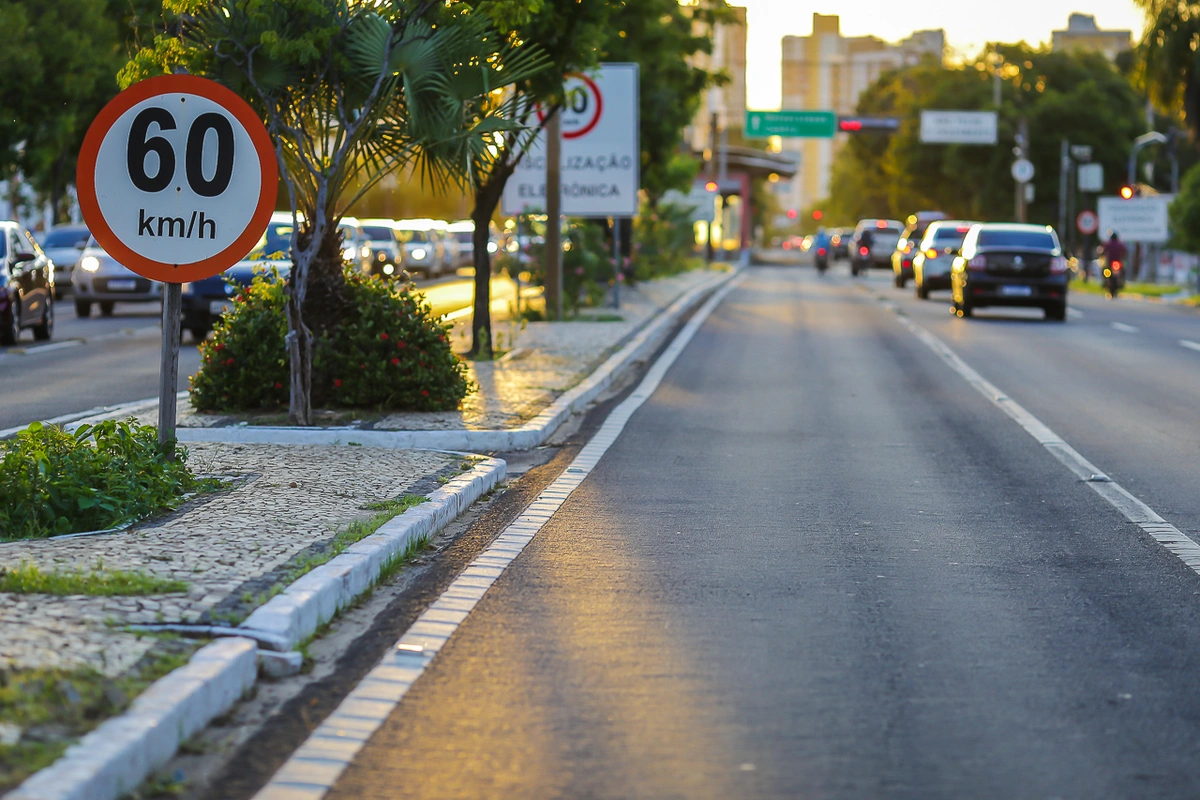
1171	59
351	91
1076	96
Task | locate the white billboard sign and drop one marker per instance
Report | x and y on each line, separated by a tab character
1091	177
958	127
1138	219
600	150
700	200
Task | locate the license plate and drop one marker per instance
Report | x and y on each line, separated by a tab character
122	285
1016	291
218	307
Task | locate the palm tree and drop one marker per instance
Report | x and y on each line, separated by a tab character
351	91
1171	56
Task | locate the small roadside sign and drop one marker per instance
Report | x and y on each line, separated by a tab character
1022	170
1090	177
959	127
791	124
177	181
177	178
1087	222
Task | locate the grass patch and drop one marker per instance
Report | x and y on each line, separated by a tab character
1132	287
28	579
54	707
600	318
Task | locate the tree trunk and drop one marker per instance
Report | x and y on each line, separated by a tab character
487	197
299	347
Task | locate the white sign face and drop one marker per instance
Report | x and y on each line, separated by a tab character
1091	178
177	178
1022	170
702	202
600	151
1138	219
959	127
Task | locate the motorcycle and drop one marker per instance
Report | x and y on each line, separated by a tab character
822	260
1112	278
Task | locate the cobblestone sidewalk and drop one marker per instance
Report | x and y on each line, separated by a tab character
228	547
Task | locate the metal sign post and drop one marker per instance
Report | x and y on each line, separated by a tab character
616	229
177	181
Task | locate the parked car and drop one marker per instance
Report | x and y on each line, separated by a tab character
206	300
355	247
63	246
935	255
464	232
385	256
1010	264
883	235
99	279
906	248
423	253
447	244
26	286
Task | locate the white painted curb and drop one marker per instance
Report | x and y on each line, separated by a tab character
121	753
116	757
316	597
524	437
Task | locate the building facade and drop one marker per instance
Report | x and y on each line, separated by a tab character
828	71
1083	33
728	101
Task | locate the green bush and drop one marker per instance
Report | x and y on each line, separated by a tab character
392	353
586	264
663	242
99	476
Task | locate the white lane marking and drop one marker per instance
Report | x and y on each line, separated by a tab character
1074	313
316	766
1123	328
1134	509
124	333
1190	345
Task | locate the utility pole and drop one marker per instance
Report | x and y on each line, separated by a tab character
712	155
1022	152
1064	171
553	249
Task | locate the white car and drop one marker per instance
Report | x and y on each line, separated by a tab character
423	250
99	279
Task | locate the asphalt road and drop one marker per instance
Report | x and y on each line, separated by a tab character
818	564
104	361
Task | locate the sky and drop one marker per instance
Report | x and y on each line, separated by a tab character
969	24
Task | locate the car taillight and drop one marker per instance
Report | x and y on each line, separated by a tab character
820	251
931	253
862	251
1116	265
1058	264
978	262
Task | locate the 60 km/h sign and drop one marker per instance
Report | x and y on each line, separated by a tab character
177	181
177	178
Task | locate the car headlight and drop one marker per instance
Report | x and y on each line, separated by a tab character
348	254
492	247
365	252
89	263
388	269
185	288
419	253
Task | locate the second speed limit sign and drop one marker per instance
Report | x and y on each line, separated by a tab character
177	178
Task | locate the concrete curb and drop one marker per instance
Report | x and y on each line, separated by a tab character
313	599
116	757
524	437
122	752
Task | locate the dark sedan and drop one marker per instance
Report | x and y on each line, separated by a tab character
1009	264
26	286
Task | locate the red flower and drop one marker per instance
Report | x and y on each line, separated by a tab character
362	366
425	393
229	361
337	382
396	362
400	345
219	346
278	385
383	336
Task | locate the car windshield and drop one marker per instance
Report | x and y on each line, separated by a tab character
949	237
275	243
464	237
1035	240
378	233
417	237
66	237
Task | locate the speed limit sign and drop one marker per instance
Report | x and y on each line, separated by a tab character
177	181
177	178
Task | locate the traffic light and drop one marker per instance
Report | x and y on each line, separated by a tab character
792	213
817	215
868	124
1128	192
711	186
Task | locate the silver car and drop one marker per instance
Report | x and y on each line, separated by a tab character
63	245
99	279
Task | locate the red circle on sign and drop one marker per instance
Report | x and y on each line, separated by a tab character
586	129
85	178
1087	222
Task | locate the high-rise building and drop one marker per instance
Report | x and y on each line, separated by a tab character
728	101
828	71
1083	33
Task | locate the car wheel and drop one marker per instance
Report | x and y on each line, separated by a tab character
106	308
922	292
199	333
45	329
1057	313
898	281
12	331
966	309
83	309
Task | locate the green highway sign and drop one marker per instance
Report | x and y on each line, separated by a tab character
794	124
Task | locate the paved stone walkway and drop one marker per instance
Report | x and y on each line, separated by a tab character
288	499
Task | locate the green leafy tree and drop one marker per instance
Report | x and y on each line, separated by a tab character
662	37
1170	61
1185	213
1077	96
570	34
351	91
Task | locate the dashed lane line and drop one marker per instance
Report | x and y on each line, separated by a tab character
1074	313
1137	512
316	766
1123	328
1190	345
